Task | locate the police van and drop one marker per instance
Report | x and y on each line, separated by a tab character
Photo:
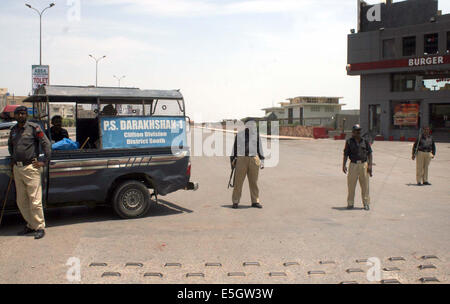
132	148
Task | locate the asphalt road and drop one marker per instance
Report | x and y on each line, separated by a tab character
304	220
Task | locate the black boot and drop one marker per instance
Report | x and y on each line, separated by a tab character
39	234
257	205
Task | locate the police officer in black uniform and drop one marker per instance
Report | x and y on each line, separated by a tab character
359	151
426	151
23	145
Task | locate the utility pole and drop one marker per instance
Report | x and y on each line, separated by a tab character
119	78
40	27
96	66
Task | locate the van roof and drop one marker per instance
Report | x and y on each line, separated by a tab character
84	93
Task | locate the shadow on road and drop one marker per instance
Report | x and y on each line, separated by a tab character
345	208
240	206
416	185
62	216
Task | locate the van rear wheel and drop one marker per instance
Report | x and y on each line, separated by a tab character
131	199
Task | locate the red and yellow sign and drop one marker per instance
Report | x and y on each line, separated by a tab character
406	114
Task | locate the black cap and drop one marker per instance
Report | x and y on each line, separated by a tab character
356	127
20	109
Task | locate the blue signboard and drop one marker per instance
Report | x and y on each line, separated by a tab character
142	132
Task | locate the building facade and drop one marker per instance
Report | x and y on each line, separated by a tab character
7	98
401	51
307	110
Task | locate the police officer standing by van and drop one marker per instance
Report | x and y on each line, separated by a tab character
23	146
247	158
360	153
424	150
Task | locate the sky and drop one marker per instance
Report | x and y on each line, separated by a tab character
229	58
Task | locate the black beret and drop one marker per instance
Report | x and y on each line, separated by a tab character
20	109
356	127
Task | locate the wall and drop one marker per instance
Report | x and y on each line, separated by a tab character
296	131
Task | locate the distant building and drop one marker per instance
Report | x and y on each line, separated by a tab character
307	111
403	60
7	98
63	110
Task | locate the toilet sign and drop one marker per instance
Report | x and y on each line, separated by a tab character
40	75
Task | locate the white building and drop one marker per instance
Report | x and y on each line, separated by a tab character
307	110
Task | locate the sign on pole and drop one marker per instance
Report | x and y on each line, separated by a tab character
40	75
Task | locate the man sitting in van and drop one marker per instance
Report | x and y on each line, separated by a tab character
57	132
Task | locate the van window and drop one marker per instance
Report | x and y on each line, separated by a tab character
168	108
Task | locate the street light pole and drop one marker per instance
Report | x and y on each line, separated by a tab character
119	78
40	27
96	66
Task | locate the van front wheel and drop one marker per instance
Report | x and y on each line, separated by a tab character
131	199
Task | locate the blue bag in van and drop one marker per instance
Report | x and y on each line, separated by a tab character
66	144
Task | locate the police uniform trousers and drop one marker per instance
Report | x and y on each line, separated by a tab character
423	160
246	166
358	172
29	195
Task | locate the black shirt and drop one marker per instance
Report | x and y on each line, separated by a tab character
426	145
58	135
23	143
247	143
357	151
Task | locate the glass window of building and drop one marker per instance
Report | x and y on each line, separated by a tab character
431	44
409	46
420	82
389	48
315	108
404	82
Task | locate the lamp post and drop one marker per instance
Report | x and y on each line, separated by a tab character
40	27
96	66
119	78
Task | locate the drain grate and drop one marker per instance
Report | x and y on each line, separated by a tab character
278	274
327	262
172	265
390	281
316	272
251	264
428	257
132	264
428	266
153	274
98	265
287	264
213	265
352	270
236	274
195	274
361	261
348	282
397	259
391	269
111	274
429	279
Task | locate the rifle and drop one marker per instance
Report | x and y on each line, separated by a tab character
233	168
231	178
